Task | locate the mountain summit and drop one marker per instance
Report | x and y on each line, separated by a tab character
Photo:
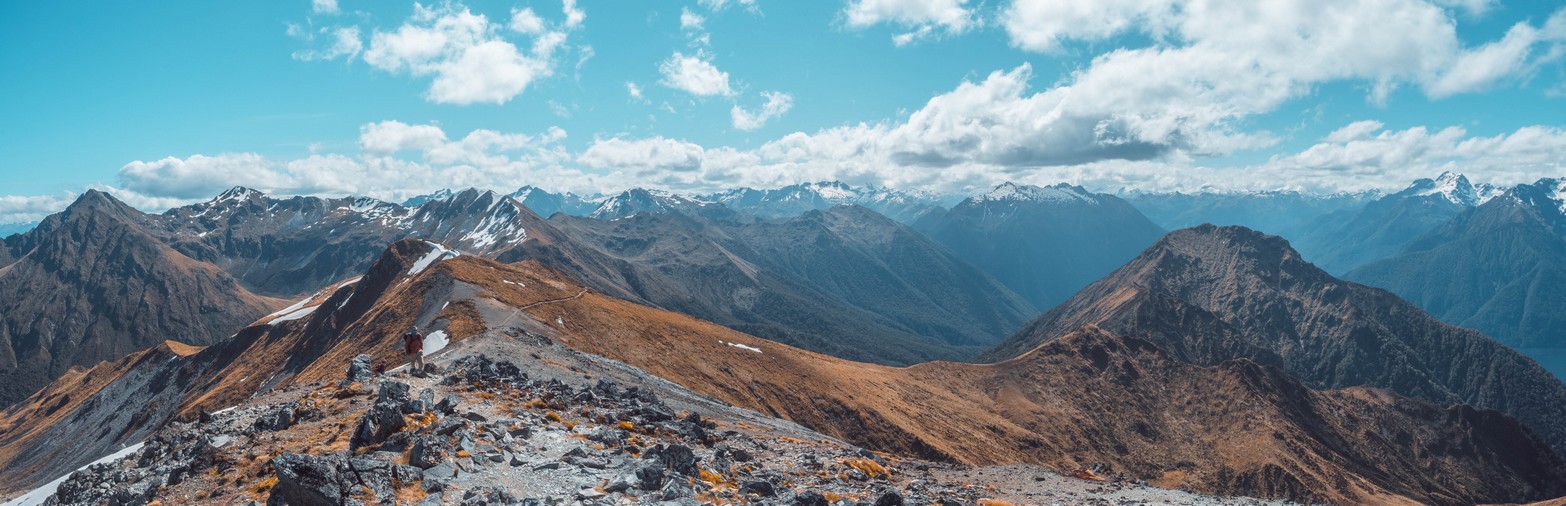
1210	294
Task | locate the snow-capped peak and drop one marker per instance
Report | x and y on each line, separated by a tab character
1455	188
1060	193
441	194
236	193
1559	192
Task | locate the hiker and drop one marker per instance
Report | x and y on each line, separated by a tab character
413	345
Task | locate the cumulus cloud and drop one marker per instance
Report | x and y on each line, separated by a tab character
1377	158
470	59
525	21
32	208
198	175
777	104
1241	58
694	74
323	6
345	42
635	91
921	17
690	20
482	158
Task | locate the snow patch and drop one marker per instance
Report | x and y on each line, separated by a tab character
224	410
437	252
510	282
741	346
435	341
294	315
295	307
38	495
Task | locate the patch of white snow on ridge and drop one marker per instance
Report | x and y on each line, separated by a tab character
741	346
38	495
295	315
437	252
435	341
295	307
510	282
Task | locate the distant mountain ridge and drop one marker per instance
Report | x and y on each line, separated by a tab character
1499	267
1042	242
1344	240
795	200
1284	213
844	281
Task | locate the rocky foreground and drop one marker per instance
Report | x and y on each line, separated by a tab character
479	431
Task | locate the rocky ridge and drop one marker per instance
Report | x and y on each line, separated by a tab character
499	436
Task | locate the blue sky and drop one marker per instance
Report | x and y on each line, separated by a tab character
170	102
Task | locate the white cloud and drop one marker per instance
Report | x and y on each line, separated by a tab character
469	58
574	15
389	137
323	6
635	91
482	158
1354	131
648	155
1233	59
199	175
921	16
32	208
345	43
1391	159
1481	68
718	5
690	20
777	104
525	21
694	74
1472	7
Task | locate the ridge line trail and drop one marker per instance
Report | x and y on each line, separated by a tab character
553	301
521	308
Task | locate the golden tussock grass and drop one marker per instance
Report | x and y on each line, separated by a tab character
869	467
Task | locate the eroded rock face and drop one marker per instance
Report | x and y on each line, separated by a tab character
333	480
384	418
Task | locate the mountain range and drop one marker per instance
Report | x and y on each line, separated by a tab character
1346	239
1046	242
1499	267
1091	397
1283	213
1215	359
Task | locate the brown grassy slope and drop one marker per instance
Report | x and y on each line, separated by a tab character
1089	398
1093	398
